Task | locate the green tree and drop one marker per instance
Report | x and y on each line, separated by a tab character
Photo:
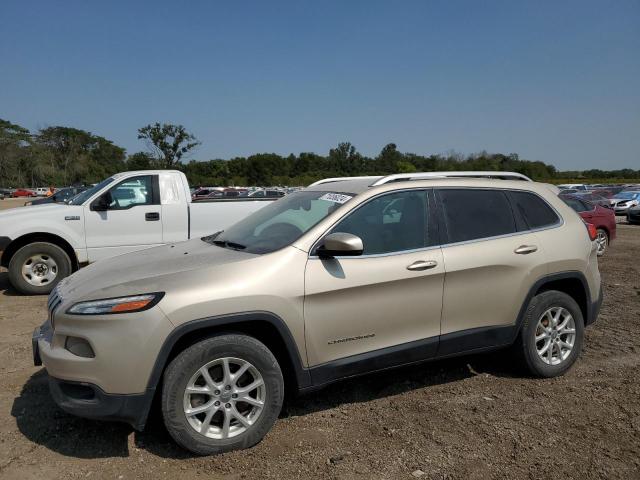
14	145
387	160
168	142
140	161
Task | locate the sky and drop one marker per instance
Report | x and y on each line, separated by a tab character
557	81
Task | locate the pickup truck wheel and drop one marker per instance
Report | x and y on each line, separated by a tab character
37	267
223	393
552	333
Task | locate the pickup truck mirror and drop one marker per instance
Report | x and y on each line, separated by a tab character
101	204
340	244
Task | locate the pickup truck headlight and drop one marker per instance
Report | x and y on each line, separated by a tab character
134	303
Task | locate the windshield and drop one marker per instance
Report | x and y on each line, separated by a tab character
627	195
281	223
87	194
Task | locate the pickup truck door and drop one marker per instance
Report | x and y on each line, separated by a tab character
175	208
131	222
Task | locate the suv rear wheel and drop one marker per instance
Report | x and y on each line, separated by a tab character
223	393
551	336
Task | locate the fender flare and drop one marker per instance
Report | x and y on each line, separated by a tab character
301	373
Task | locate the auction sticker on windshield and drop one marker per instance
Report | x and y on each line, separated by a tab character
336	197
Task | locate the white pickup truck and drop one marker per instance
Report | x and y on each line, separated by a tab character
129	211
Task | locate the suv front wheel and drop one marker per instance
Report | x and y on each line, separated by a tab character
223	393
551	336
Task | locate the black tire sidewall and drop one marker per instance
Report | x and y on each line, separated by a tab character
17	260
538	305
189	361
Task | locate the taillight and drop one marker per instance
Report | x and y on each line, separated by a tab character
593	231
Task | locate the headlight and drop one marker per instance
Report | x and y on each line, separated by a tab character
26	204
135	303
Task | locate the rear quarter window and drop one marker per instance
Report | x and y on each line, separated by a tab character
534	210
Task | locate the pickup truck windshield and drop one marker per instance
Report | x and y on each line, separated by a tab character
281	223
87	194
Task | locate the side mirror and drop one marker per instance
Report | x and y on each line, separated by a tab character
101	204
340	244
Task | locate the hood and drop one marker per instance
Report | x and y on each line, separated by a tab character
151	268
34	210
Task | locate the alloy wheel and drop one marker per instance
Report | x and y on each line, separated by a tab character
224	398
555	335
601	242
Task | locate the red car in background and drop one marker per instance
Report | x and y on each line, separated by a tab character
23	192
604	219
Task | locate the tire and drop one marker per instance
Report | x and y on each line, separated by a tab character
185	429
53	258
601	233
526	346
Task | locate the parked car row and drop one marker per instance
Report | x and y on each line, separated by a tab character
204	193
602	218
619	198
62	195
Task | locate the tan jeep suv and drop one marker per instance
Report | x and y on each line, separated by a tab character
346	277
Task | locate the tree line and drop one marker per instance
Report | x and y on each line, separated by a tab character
60	155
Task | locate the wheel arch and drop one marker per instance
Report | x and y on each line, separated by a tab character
573	284
267	327
29	238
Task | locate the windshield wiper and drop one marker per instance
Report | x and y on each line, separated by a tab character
227	244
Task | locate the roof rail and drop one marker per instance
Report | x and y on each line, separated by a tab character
340	179
398	177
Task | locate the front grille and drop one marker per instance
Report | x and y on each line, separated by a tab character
52	305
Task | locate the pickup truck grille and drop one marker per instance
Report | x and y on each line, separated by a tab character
52	305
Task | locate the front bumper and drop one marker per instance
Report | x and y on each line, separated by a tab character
633	215
75	382
4	243
89	401
622	210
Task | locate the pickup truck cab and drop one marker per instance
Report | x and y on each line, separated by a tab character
128	211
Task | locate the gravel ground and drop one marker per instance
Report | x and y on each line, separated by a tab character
472	417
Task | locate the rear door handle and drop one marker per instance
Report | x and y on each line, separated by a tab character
525	249
422	265
152	216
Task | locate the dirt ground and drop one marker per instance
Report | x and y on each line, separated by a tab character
472	417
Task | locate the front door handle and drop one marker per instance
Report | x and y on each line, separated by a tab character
422	265
525	249
152	216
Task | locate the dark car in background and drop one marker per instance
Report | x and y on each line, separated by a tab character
224	193
264	193
602	218
61	196
203	192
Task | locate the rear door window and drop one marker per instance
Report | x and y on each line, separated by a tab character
534	210
472	214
